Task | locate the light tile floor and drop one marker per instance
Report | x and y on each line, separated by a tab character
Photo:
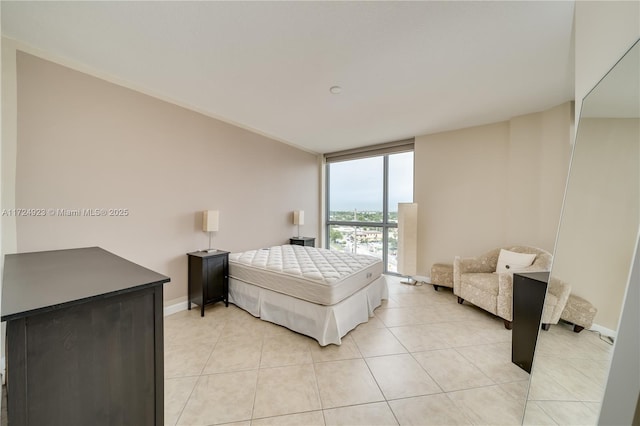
422	359
569	377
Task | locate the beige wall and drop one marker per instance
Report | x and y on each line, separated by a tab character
539	157
460	192
489	186
9	137
87	143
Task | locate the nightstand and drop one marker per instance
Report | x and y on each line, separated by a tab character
303	241
208	278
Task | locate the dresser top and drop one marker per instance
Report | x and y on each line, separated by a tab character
537	276
205	253
48	280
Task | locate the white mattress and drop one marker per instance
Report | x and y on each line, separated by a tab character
313	274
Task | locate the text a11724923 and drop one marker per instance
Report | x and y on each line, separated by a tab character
66	212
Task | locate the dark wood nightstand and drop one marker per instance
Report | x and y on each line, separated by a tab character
208	278
303	241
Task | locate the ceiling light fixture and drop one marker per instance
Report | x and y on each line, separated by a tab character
335	89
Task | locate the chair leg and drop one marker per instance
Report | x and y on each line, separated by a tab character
507	324
460	300
577	328
546	327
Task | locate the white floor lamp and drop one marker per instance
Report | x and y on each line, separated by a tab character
407	241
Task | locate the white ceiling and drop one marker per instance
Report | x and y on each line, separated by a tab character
405	68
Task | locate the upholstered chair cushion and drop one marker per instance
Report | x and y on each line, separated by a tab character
482	288
487	283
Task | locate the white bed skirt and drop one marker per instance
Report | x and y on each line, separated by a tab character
326	324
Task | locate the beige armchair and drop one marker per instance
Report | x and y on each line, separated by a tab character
476	281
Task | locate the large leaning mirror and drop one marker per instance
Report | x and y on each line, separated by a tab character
594	251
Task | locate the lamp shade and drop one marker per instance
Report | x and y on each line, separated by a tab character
210	219
407	238
298	217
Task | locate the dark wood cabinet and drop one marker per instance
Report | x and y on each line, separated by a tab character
208	278
529	290
84	339
303	241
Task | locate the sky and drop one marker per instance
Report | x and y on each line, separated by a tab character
357	184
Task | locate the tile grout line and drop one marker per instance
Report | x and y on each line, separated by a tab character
255	393
199	375
315	376
358	352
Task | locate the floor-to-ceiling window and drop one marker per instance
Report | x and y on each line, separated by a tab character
364	188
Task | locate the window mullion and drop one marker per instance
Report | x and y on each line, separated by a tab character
327	206
385	212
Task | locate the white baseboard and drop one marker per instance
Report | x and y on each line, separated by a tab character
604	330
176	307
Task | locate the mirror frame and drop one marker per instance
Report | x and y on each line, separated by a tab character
609	100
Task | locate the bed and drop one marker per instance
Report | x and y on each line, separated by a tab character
317	292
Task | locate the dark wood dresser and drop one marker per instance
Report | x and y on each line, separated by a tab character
84	339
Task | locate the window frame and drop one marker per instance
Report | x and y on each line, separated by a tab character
384	151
